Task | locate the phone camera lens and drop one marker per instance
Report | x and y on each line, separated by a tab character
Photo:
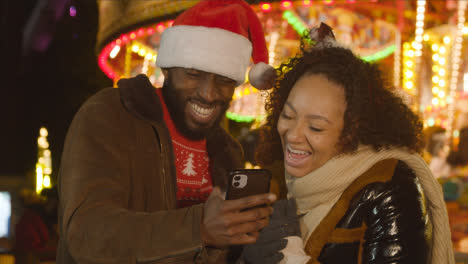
236	184
237	178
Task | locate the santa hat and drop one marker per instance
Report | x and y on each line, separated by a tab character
217	36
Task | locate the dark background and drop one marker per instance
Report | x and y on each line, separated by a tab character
44	88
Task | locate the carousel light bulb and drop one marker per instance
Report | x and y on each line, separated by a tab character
441	94
43	132
435	47
442	61
418	38
409	85
441	72
265	7
307	2
426	37
114	52
435	101
435	68
435	57
435	90
435	79
430	122
135	48
441	83
447	40
47	171
160	27
409	73
46	180
409	63
142	52
465	30
286	4
442	50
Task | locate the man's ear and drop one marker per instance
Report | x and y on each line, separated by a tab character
165	72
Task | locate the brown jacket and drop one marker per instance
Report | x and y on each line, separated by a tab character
117	182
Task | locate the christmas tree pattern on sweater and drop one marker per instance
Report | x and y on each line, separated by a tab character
192	164
193	177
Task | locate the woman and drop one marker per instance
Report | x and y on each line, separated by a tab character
349	147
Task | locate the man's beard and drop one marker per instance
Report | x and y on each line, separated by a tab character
176	104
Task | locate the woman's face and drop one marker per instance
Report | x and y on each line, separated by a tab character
310	124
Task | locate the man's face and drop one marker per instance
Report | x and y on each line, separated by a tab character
196	100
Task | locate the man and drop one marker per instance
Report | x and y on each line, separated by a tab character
143	169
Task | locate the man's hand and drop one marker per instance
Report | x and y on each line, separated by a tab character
224	223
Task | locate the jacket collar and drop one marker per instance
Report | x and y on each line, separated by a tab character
140	99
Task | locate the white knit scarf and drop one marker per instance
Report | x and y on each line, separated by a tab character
318	191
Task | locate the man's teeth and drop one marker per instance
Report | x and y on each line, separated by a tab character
297	152
201	110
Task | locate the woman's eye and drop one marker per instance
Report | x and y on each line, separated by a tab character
315	129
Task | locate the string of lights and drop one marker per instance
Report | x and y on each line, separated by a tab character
456	54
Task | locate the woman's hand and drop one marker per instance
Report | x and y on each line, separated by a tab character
272	239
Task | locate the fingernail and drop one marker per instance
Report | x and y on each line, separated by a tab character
272	197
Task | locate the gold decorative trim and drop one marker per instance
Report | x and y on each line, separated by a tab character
115	16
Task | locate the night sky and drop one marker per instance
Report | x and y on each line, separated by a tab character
44	88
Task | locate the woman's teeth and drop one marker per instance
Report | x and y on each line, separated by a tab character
297	152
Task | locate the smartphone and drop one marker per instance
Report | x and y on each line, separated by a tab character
247	182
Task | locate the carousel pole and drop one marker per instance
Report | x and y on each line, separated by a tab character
128	60
397	54
456	59
417	45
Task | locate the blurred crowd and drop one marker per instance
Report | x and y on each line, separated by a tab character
451	169
35	232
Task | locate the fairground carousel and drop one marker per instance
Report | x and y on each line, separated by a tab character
418	44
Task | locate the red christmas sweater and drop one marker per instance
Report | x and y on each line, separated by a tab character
192	164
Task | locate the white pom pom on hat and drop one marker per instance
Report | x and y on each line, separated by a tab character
217	36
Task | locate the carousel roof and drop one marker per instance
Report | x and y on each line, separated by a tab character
116	17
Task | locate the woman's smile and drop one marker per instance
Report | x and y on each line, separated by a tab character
294	157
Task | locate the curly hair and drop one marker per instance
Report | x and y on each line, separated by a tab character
374	115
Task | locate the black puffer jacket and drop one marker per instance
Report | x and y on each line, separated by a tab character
386	222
